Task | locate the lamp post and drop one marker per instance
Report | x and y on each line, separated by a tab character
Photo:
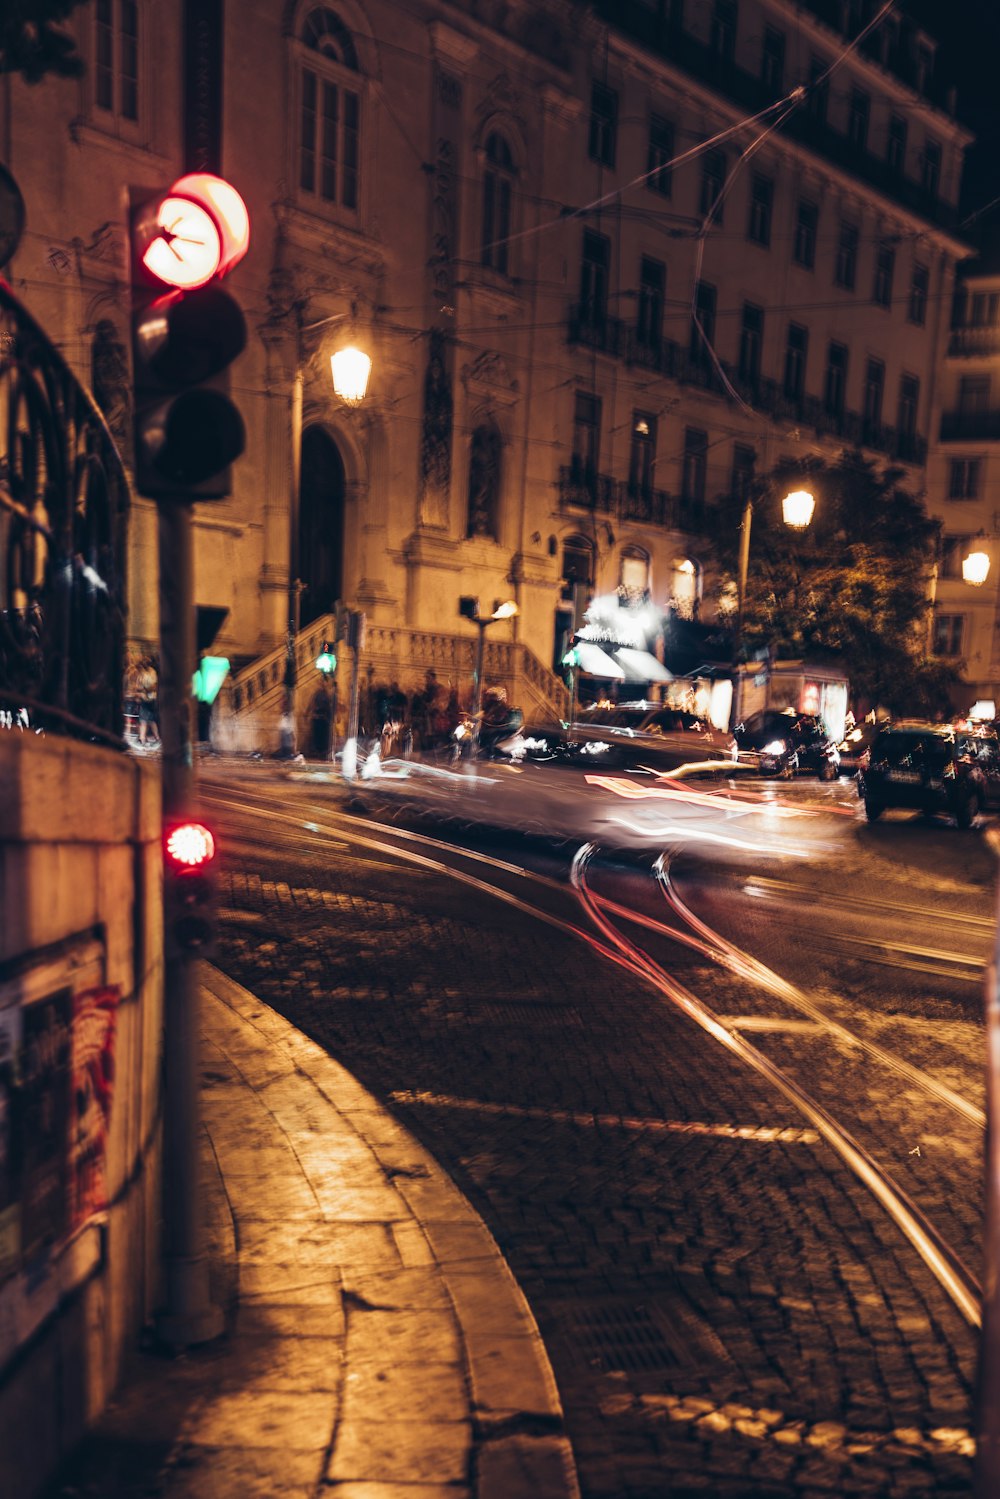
796	512
506	610
350	368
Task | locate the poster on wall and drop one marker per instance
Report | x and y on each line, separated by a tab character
10	1194
43	1113
95	1012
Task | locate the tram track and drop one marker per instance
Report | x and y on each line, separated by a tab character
505	880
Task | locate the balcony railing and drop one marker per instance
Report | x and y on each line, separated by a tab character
63	510
675	362
580	489
974	341
971	426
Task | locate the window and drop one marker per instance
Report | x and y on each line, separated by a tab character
952	550
603	124
659	177
633	575
642	452
695	466
835	384
906	416
116	58
948	631
846	265
761	200
895	150
796	349
963	479
919	283
713	179
885	263
703	323
485	467
772	63
329	113
723	33
498	189
806	220
594	279
818	98
751	339
586	435
857	119
652	293
974	395
873	393
983	309
930	168
925	66
742	472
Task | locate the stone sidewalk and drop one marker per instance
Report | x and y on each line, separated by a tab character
377	1346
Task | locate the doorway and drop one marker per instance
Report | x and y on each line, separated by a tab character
322	488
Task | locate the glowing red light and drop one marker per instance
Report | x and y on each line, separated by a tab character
190	845
197	231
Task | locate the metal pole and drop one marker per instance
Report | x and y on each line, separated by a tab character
741	594
287	742
477	694
189	1316
349	758
987	1406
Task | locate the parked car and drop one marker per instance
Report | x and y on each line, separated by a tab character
855	748
784	743
932	768
630	736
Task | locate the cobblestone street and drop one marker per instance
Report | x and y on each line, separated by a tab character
726	1312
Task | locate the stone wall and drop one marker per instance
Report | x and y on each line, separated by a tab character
79	914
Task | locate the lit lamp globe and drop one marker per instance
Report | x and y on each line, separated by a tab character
351	368
975	568
797	509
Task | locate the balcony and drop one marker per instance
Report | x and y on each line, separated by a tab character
606	334
583	489
970	426
748	91
974	341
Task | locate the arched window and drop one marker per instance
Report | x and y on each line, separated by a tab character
485	451
498	192
329	112
633	573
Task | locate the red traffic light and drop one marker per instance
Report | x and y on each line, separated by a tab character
196	231
188	846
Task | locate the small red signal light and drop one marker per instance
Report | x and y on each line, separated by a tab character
198	230
189	846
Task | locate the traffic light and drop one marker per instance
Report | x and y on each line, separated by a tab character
186	331
188	889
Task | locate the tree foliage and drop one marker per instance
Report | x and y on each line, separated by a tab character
31	42
852	588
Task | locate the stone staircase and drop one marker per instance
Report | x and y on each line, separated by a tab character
249	707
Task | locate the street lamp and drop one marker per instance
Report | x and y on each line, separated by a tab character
470	609
796	512
976	568
349	370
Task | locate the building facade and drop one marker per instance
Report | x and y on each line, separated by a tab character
607	261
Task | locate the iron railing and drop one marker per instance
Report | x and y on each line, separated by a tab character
64	503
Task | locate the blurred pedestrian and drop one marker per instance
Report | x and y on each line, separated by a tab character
146	692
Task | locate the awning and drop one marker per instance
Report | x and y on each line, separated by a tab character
641	666
597	663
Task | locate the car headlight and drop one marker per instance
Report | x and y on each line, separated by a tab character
776	747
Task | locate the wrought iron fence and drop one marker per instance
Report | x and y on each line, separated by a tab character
64	502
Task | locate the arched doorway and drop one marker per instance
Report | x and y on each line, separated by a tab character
321	524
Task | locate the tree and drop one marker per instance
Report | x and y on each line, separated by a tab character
32	44
852	588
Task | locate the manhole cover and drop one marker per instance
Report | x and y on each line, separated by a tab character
634	1336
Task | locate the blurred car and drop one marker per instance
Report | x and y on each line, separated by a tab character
932	768
855	747
784	743
630	736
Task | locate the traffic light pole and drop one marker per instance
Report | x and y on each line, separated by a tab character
188	1316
